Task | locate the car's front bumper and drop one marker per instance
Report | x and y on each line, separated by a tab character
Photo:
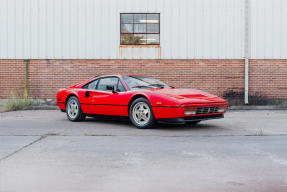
163	112
183	120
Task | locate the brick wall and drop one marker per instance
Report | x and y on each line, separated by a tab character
12	77
221	77
268	78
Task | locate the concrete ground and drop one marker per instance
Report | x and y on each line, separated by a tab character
43	151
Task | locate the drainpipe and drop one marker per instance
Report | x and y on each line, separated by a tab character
246	82
246	48
26	86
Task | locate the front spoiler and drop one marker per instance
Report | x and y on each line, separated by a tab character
183	120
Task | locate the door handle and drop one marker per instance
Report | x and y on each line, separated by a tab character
87	94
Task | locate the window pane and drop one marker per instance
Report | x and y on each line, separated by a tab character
140	28
152	38
153	28
139	18
152	18
121	87
93	85
127	28
126	18
126	39
133	39
102	85
140	38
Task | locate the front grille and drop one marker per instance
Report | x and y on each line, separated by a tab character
206	110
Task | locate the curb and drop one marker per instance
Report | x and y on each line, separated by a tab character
258	107
42	107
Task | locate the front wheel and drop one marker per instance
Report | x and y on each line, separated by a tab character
73	110
141	114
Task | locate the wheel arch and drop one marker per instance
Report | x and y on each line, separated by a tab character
134	98
68	97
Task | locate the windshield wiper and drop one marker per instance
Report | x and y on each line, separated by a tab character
157	85
142	86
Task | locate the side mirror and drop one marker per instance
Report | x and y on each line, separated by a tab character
111	88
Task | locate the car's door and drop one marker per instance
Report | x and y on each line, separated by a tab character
87	100
100	100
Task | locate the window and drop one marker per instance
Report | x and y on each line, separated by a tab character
121	87
140	28
143	82
91	85
114	81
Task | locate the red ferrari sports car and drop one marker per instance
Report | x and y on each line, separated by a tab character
145	100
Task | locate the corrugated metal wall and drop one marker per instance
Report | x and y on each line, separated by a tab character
190	29
269	29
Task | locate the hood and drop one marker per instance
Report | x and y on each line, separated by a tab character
189	95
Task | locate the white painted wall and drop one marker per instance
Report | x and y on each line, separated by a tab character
190	29
269	29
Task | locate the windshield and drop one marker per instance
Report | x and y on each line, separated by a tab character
143	82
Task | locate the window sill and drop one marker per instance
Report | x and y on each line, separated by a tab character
137	46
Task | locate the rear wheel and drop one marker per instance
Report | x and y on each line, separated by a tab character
73	110
141	114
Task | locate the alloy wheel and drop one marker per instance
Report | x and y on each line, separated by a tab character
73	109
141	113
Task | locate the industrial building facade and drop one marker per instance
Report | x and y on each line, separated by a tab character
232	48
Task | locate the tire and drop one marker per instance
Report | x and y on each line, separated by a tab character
141	114
193	122
73	110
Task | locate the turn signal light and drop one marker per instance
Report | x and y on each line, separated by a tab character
191	111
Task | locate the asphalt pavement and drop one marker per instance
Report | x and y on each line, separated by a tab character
43	151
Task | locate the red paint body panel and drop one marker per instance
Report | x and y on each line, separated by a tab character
165	102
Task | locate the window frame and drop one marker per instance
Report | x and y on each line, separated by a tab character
98	79
146	33
86	86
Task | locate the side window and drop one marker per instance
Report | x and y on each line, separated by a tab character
121	87
92	85
102	85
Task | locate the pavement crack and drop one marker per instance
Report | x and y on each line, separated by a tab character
25	146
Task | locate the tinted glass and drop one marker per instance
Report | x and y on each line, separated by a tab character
102	85
143	82
121	87
91	85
